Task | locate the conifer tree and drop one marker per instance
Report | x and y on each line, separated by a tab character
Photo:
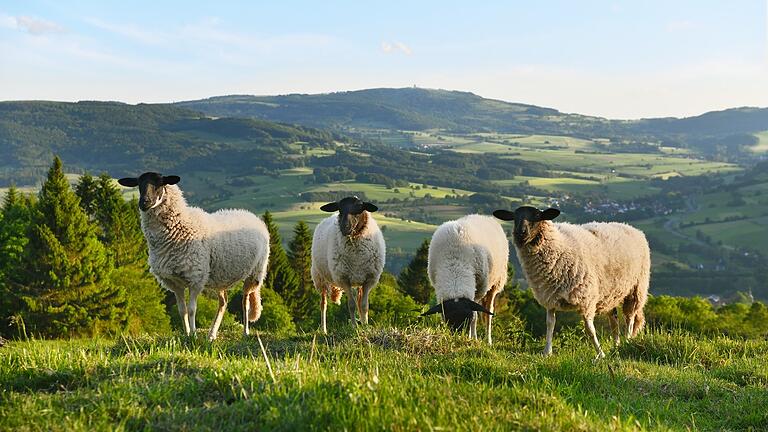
300	258
280	275
86	191
117	220
67	288
15	217
413	280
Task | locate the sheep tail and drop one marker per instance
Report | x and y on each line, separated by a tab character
254	302
336	293
639	322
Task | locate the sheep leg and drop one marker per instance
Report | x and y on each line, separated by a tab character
351	303
473	326
489	305
192	309
613	320
360	304
589	326
181	304
323	309
213	332
366	290
550	331
246	311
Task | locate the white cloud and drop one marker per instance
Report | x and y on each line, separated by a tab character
395	47
32	25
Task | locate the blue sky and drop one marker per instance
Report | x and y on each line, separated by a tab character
618	59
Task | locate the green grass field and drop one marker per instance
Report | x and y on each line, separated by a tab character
418	378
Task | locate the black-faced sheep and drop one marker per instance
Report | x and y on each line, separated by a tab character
348	251
191	248
468	264
590	268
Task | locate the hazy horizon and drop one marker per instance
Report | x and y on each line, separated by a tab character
610	59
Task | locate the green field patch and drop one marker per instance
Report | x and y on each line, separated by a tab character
762	143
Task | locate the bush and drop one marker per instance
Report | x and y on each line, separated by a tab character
275	315
146	313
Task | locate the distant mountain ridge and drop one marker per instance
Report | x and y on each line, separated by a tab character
124	139
422	109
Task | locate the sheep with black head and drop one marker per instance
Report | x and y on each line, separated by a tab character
348	252
467	265
591	268
189	247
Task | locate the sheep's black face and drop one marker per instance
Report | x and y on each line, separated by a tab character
457	312
352	216
526	221
151	188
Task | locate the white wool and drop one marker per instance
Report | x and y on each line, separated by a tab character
467	258
338	260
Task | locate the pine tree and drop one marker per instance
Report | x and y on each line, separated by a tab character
67	288
86	190
15	218
280	275
300	258
413	280
118	220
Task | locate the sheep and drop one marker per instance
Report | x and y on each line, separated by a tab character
467	263
591	268
348	251
189	247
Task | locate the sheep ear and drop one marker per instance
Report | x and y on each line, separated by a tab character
369	207
129	181
330	207
477	307
550	214
504	215
433	310
171	180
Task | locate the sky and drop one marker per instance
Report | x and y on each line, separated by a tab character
617	59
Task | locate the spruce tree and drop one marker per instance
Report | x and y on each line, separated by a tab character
67	288
118	220
300	258
413	280
86	190
280	275
15	218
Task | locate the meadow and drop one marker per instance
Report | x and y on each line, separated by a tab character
382	378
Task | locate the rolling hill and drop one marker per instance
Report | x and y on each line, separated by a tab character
718	132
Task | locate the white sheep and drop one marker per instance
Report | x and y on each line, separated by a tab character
591	268
468	264
348	251
189	247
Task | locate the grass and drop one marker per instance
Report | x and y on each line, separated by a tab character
382	378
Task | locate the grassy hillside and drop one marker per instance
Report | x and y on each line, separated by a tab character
418	378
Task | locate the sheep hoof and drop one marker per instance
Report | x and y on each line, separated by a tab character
600	355
546	353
